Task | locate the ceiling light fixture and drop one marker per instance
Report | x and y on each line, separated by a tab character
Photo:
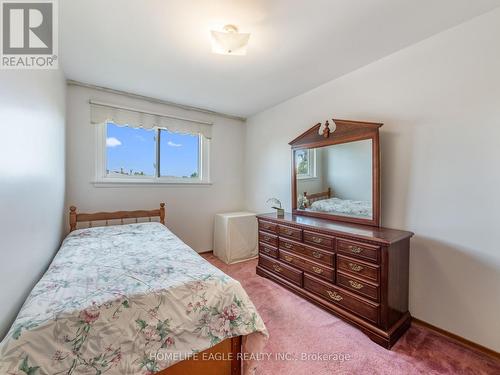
229	41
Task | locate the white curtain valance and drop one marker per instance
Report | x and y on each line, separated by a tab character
122	116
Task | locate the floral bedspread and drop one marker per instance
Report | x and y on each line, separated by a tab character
343	206
119	300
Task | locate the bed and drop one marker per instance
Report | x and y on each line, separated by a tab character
131	299
324	202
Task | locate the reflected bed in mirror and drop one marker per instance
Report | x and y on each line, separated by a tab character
336	179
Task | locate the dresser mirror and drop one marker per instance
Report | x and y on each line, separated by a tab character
335	172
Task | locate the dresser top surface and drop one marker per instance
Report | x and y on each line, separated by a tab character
378	234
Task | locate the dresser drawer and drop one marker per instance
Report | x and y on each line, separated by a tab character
268	226
319	240
289	245
290	273
268	250
358	286
268	238
359	250
307	265
358	268
357	305
307	251
290	232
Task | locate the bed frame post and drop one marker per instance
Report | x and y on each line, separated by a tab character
72	218
236	355
162	213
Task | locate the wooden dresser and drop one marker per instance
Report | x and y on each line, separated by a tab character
357	272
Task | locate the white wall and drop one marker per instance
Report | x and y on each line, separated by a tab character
348	170
440	102
32	182
190	209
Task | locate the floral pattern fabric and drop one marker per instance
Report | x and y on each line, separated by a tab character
343	206
119	299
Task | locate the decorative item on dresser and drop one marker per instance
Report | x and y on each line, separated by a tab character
280	211
341	260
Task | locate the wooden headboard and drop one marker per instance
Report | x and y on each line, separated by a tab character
75	217
318	196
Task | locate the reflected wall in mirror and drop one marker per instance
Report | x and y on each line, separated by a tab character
336	179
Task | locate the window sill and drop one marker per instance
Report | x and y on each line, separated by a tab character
146	182
307	178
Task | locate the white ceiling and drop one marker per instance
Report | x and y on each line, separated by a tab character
161	48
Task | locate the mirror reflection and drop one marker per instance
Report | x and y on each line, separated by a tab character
336	179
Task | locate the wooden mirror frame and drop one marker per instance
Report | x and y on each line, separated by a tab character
345	131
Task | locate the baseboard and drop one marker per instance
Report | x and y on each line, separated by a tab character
244	260
206	252
459	339
238	261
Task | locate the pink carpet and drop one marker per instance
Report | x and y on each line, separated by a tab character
296	326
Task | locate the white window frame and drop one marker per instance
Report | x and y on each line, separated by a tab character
311	166
102	178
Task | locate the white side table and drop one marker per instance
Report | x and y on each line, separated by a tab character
235	236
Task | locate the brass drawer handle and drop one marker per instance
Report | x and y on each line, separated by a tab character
288	231
334	295
266	238
288	258
355	267
355	249
317	255
317	239
265	249
317	270
355	284
287	245
277	268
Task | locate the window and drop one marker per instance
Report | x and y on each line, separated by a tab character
305	162
137	155
130	151
179	155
